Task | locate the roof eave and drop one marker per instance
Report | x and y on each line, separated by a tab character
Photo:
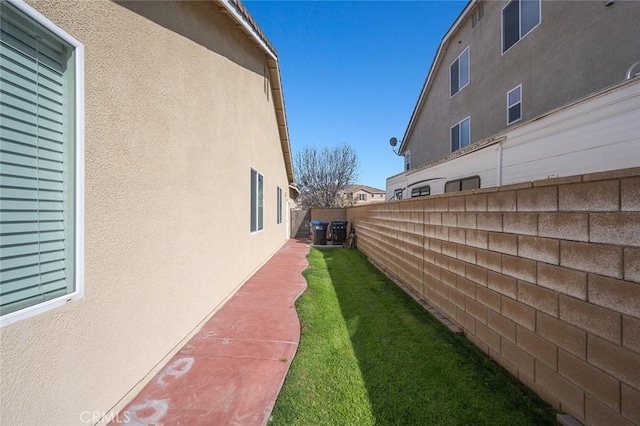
241	15
281	115
236	10
435	66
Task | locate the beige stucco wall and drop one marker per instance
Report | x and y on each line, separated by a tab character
369	197
176	115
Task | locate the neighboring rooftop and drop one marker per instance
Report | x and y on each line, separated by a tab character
365	188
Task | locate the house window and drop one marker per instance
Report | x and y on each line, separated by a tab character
397	194
257	205
421	191
362	197
519	17
514	105
459	72
463	184
279	205
407	160
41	164
461	134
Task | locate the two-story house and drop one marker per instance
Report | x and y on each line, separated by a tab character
507	64
361	194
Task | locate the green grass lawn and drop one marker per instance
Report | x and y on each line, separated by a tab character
369	354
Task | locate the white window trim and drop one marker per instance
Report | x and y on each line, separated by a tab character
78	293
258	174
519	102
458	124
279	201
468	72
407	160
519	26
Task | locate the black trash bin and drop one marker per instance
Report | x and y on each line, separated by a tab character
319	232
339	231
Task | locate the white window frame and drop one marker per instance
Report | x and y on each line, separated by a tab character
509	106
459	124
257	221
421	191
407	160
362	197
460	184
78	185
279	205
520	35
467	51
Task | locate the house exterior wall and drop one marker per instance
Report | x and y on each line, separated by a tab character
368	197
176	116
543	276
352	197
329	214
578	48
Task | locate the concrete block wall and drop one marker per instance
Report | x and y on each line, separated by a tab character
543	276
329	214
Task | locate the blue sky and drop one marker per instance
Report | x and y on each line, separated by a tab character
352	71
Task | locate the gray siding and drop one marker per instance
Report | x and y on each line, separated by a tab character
578	48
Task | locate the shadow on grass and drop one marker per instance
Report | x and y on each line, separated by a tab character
416	371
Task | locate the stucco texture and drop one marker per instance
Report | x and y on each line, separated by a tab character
579	48
176	115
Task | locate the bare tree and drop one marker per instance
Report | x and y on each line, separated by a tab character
322	173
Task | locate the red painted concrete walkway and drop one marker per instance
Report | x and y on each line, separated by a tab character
231	371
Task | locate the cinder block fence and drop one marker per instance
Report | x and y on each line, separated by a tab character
543	276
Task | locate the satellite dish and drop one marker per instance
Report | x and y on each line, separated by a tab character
633	71
393	141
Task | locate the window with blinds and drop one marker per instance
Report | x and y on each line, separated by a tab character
278	205
257	202
38	144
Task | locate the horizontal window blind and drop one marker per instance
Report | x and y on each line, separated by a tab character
36	197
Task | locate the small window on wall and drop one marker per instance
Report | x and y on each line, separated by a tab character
459	72
407	160
514	105
461	134
519	17
278	205
397	194
362	197
257	202
421	191
463	184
